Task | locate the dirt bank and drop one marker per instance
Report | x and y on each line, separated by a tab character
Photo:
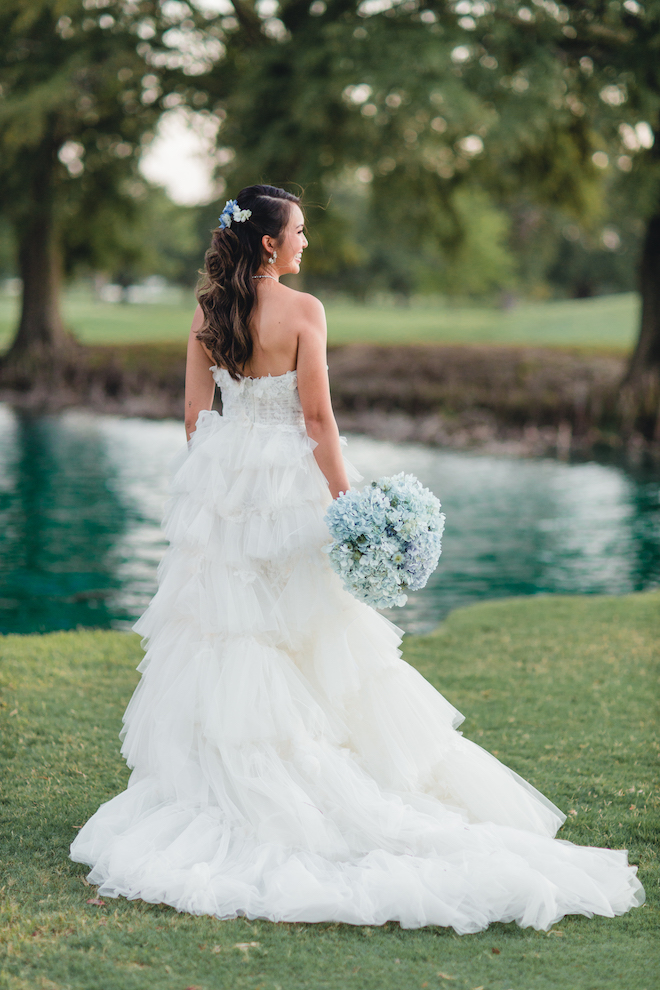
517	399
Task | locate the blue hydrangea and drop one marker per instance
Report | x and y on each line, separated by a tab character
386	539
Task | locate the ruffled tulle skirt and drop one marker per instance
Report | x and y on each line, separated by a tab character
287	763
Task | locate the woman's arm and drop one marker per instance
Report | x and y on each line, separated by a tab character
200	387
314	390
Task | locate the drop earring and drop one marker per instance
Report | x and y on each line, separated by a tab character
273	258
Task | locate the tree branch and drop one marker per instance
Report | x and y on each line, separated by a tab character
249	20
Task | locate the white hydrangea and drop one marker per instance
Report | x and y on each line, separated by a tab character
233	212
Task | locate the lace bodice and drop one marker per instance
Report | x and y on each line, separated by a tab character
269	401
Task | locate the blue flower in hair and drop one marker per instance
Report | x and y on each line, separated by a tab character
232	211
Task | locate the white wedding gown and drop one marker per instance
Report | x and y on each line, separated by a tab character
287	764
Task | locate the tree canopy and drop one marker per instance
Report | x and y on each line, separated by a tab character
405	95
83	85
421	100
413	107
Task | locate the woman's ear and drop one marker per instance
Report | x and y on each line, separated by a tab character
268	244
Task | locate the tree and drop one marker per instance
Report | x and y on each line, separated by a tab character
163	239
400	98
603	57
615	46
430	96
83	85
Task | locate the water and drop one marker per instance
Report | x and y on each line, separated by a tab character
81	499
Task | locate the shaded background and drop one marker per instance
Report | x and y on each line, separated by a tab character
466	149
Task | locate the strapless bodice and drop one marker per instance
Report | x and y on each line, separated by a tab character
269	401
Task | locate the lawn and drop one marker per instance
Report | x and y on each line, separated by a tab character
607	322
562	689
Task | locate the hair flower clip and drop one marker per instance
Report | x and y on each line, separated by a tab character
233	212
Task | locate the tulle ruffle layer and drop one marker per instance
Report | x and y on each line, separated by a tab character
287	763
464	876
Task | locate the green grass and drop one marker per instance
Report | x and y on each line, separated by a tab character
562	689
607	322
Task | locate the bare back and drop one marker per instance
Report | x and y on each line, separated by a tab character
289	334
278	319
275	326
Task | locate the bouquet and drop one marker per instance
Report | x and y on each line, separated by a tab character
386	539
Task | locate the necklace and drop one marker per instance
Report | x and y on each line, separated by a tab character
265	276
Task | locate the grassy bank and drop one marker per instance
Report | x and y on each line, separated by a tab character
560	688
608	322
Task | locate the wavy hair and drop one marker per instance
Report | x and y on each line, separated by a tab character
226	291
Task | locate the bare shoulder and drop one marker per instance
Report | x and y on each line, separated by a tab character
305	311
195	345
197	321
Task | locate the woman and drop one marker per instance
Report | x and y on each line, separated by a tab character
287	764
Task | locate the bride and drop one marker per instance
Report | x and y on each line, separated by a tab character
287	764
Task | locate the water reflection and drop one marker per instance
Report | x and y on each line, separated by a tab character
518	527
81	499
60	522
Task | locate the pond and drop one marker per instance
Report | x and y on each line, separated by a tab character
81	497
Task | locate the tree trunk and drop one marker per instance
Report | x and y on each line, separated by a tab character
44	360
40	328
647	350
640	393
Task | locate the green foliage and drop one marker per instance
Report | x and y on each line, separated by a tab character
351	253
427	111
415	132
555	256
180	236
561	689
163	239
482	263
408	96
83	86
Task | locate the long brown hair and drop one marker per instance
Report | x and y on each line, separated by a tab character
227	292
